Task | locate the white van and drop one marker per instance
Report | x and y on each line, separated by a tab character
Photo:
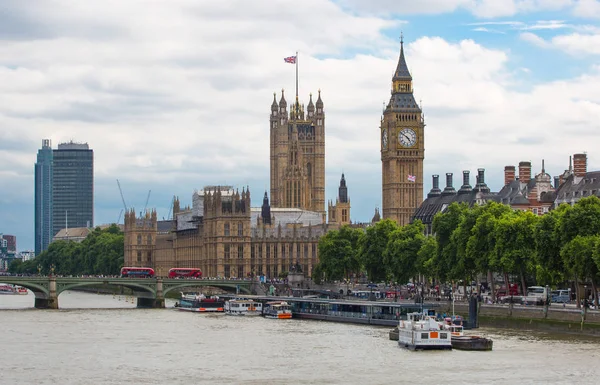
536	295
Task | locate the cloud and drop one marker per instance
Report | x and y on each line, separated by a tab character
534	39
175	96
479	8
575	44
488	30
589	9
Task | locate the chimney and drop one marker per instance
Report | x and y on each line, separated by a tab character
556	182
466	187
509	174
435	190
481	176
580	165
525	172
449	190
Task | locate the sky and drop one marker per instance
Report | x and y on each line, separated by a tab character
173	95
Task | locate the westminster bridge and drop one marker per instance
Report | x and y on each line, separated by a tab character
150	292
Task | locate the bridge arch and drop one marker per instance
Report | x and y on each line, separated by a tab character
168	287
130	285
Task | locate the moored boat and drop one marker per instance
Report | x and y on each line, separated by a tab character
277	310
461	341
246	307
196	302
422	332
7	289
20	290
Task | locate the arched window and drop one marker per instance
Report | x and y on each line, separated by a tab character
309	170
149	240
139	239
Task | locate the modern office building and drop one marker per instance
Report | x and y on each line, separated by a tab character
72	186
43	197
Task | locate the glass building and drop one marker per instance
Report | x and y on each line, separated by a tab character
72	186
43	197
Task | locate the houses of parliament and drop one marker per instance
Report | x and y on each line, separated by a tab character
222	234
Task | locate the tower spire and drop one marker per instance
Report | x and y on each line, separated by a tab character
402	72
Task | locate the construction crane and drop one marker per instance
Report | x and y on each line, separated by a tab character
171	208
121	192
145	206
123	200
147	199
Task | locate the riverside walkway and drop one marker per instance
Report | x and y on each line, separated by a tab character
150	292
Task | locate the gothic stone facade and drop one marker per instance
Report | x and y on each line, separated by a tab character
222	235
297	154
402	148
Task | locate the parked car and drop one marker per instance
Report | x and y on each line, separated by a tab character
561	296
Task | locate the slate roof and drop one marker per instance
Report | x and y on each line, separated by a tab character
286	216
575	188
402	72
404	102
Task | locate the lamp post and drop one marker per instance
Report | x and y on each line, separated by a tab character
39	267
52	269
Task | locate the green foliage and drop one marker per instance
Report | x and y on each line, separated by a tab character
372	247
402	251
550	267
338	254
578	256
100	253
515	243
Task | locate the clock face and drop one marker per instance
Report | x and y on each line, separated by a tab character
384	139
407	137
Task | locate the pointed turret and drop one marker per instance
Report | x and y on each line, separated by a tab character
311	106
343	190
282	102
266	211
402	72
274	104
319	103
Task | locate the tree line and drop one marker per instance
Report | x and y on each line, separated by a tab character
468	242
100	253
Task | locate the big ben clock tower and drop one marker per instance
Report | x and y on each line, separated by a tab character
402	148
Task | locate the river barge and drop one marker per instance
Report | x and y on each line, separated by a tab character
382	313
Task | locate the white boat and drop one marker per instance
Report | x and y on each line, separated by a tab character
245	307
197	302
277	310
422	332
7	289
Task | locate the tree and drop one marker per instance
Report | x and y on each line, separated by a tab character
338	254
481	242
427	260
581	220
372	246
578	254
550	267
444	224
515	243
402	251
100	253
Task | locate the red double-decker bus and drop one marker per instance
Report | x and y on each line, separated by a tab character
185	272
137	272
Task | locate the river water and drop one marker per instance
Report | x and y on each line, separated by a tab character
103	339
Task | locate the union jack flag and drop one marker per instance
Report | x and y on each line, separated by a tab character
290	59
412	178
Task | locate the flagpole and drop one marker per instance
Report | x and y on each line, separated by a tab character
296	78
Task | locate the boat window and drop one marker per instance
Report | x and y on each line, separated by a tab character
424	336
443	336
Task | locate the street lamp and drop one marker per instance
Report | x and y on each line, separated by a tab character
52	269
39	270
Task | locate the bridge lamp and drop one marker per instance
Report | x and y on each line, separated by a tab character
39	269
52	269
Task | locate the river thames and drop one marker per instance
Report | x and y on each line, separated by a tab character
103	339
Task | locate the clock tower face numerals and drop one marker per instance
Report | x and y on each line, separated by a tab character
407	137
384	139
